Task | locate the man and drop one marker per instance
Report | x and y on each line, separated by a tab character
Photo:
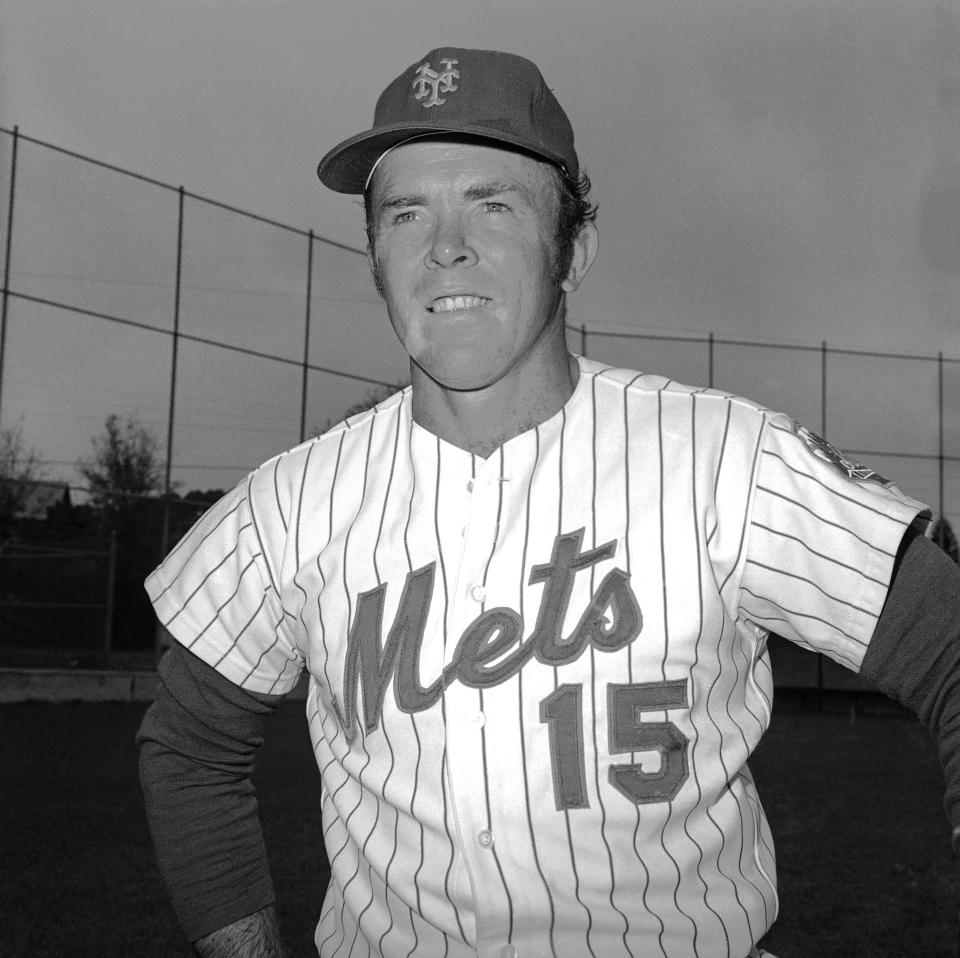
532	593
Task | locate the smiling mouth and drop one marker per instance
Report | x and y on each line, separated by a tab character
450	304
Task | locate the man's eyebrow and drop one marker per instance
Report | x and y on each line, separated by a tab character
402	202
484	191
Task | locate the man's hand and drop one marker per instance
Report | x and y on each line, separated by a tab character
256	936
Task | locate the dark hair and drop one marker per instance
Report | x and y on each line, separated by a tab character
574	210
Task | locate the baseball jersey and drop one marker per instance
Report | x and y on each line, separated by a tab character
536	678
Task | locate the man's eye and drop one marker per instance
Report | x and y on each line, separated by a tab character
405	217
495	206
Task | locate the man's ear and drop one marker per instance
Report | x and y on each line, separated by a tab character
585	248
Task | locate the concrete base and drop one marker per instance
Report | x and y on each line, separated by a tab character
76	685
87	685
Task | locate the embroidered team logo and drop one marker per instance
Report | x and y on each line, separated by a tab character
494	647
429	84
846	464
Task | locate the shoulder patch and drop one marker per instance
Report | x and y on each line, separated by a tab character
847	465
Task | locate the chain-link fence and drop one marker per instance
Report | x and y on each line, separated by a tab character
231	337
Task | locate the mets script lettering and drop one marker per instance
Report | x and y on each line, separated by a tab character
430	84
492	648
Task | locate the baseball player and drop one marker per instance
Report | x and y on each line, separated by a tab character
532	593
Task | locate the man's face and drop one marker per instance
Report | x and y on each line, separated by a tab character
463	249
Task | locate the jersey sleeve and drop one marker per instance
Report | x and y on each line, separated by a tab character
823	533
216	595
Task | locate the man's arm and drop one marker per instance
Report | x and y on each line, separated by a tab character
914	655
197	745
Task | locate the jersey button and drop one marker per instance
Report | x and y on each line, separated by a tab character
476	718
469	485
478	593
485	838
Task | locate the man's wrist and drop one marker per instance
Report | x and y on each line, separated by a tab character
254	936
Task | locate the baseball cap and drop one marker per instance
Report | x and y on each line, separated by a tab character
483	93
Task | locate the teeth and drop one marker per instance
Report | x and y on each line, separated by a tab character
449	303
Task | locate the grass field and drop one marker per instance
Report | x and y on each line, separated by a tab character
863	845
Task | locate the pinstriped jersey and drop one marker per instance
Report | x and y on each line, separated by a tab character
536	678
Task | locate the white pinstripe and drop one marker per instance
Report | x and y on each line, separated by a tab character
446	809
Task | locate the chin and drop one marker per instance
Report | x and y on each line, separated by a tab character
465	383
459	377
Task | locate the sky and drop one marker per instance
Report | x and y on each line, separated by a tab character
776	170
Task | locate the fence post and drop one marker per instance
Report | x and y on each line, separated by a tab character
174	352
160	634
940	445
823	388
306	339
823	432
6	262
111	594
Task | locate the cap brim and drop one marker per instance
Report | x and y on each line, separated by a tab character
346	167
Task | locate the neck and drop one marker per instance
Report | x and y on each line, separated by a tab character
482	420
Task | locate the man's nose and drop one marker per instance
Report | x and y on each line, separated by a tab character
450	245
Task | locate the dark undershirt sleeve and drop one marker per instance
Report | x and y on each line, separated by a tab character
914	655
197	744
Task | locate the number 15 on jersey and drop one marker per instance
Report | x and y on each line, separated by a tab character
562	712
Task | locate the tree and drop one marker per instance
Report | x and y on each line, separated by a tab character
124	477
19	474
942	534
124	465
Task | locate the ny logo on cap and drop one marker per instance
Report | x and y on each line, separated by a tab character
431	84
